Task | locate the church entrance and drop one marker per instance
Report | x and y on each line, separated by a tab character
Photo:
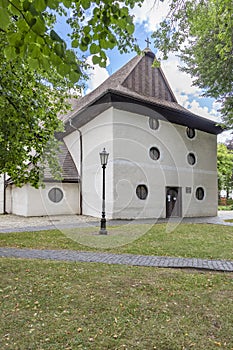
173	202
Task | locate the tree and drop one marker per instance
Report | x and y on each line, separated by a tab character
200	31
29	104
225	168
33	53
95	27
37	69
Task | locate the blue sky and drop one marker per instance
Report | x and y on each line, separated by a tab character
147	19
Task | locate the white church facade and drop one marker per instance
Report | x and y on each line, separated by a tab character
162	158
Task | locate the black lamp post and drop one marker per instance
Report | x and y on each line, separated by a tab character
103	160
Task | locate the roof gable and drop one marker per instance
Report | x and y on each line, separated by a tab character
139	83
149	81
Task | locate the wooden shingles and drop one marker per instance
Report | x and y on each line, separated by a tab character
69	170
139	83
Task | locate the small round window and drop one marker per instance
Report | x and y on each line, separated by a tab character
190	133
153	123
142	191
154	153
55	195
191	158
200	193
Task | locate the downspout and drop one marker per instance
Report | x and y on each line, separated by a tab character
81	165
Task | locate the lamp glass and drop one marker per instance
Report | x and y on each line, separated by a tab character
104	157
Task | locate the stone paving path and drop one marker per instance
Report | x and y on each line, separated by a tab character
12	223
122	259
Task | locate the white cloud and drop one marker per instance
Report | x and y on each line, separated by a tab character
152	13
226	135
180	82
187	95
97	75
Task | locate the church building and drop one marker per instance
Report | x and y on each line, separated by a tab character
162	157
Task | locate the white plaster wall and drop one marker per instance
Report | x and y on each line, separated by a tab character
19	200
1	193
72	142
9	199
132	166
28	201
97	134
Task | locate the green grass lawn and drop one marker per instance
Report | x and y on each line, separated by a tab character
69	306
185	240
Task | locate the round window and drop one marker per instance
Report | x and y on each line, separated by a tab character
55	195
154	153
200	193
190	133
153	123
191	158
142	191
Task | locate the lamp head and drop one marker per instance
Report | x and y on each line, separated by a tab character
104	157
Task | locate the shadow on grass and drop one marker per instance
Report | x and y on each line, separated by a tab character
117	236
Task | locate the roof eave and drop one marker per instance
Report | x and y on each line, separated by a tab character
109	98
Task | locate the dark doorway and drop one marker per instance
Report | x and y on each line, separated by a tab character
173	202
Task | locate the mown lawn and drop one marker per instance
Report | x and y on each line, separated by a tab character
184	240
69	306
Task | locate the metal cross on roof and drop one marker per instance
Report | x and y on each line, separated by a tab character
148	42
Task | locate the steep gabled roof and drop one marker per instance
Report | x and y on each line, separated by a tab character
141	84
137	76
69	170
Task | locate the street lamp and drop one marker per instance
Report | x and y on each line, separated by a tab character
103	160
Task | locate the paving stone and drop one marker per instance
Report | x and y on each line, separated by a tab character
122	259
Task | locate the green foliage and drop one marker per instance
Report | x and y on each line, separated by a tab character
36	69
95	26
225	167
109	25
30	101
226	208
201	32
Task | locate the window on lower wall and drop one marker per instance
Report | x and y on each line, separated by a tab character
55	195
142	191
200	193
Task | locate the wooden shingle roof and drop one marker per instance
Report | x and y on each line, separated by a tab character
140	85
69	170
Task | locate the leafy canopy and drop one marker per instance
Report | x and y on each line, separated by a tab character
95	26
37	69
200	31
225	167
29	104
